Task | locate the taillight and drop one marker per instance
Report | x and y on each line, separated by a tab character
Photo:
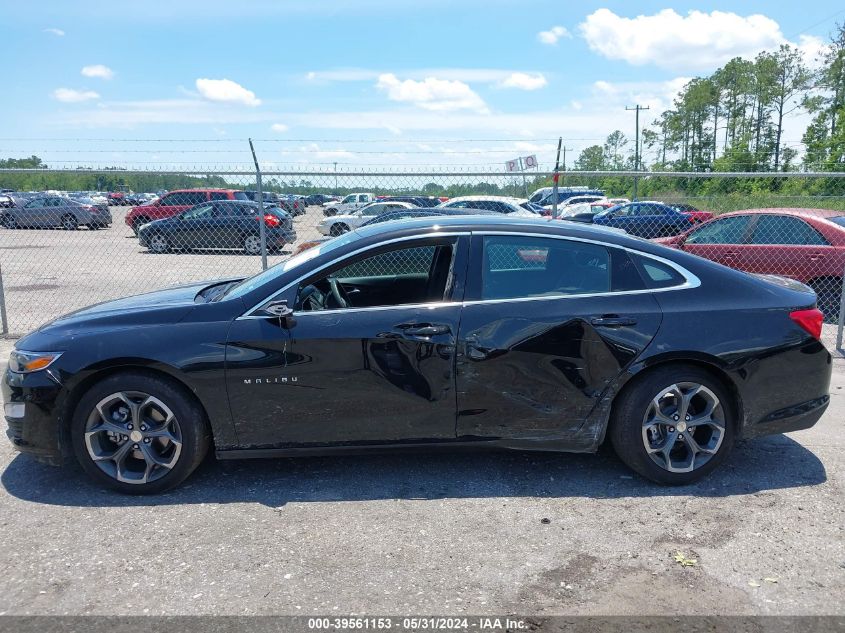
810	320
271	220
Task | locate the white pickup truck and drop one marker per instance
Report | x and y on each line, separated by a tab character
349	203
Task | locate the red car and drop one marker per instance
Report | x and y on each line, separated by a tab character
804	244
175	202
695	215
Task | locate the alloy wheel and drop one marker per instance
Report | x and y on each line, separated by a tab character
158	244
252	244
69	223
133	437
683	427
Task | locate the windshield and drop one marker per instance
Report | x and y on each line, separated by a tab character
251	283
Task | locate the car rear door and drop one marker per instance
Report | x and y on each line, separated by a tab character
785	245
379	370
548	323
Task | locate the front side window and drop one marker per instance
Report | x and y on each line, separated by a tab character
723	231
202	211
783	229
522	267
399	276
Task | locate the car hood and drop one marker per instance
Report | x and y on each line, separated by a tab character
169	305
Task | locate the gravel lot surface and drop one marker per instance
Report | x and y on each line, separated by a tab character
477	533
47	272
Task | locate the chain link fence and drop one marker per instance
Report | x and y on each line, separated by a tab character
64	244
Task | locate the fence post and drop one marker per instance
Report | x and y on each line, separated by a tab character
841	327
262	231
4	321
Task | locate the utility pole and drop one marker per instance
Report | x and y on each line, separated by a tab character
335	178
565	149
637	109
262	230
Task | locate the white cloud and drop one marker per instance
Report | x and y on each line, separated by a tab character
813	49
279	127
55	31
552	36
524	81
432	93
227	91
69	95
97	70
697	41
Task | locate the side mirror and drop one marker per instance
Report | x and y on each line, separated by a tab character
280	310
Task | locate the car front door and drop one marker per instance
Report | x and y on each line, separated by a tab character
547	325
370	358
33	213
192	229
722	240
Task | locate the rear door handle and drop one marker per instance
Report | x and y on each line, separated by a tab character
613	321
423	330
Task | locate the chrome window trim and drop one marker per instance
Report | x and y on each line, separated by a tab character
248	315
692	281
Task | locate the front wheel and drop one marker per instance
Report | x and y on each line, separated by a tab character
9	221
138	433
159	243
673	425
69	222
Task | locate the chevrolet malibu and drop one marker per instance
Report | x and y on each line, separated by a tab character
441	332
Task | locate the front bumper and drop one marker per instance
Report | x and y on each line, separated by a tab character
31	406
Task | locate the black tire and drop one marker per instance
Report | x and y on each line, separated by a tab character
137	223
195	436
338	229
829	297
330	212
69	222
9	221
630	408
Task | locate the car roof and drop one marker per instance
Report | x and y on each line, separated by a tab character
493	198
498	222
811	213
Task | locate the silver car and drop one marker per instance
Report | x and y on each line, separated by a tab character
56	211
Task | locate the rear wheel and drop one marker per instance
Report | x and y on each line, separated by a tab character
338	229
69	222
252	245
829	296
673	425
138	433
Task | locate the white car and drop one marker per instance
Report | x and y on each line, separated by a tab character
340	224
618	200
349	203
500	204
577	200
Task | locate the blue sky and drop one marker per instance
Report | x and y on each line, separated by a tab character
370	82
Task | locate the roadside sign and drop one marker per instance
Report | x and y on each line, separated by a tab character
529	162
512	165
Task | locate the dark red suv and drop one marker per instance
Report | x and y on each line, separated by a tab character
175	202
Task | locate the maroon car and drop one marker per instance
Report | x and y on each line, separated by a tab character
804	244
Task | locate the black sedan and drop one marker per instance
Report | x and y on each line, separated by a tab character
220	224
436	332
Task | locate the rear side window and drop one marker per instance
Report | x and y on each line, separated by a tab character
783	229
240	195
657	274
521	267
219	195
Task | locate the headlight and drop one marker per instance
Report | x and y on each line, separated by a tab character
22	362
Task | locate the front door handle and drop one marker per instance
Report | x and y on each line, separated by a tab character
423	330
613	321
